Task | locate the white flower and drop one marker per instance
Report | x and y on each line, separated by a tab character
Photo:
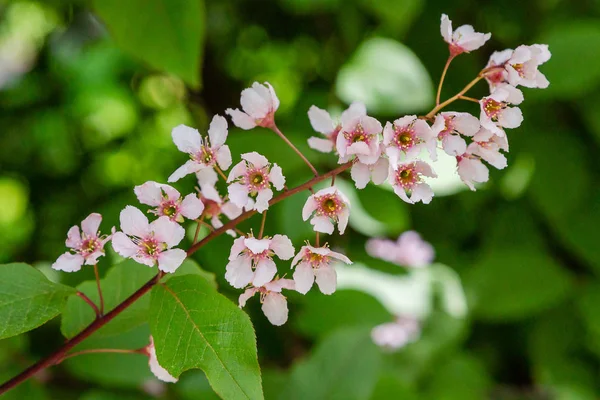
496	112
155	367
464	39
168	201
407	179
449	126
253	176
409	250
322	122
251	259
487	145
203	154
359	136
259	104
362	173
149	243
408	135
316	262
86	246
274	304
522	67
326	207
471	170
397	334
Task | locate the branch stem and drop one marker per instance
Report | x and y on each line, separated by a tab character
99	289
285	139
262	225
455	97
439	91
84	297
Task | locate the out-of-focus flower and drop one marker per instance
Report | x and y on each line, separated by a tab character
274	304
86	245
203	153
449	126
322	122
397	334
315	263
409	250
464	39
149	243
326	207
251	259
259	103
407	181
168	201
155	367
408	135
252	177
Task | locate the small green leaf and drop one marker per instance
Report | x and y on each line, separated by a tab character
27	299
387	76
343	366
167	34
196	327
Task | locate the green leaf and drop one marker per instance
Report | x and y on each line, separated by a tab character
574	68
387	76
343	366
516	283
461	377
194	326
166	34
27	299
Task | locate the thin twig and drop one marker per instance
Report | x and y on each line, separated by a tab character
99	289
262	225
439	91
221	173
474	100
437	108
285	139
91	304
94	351
198	229
317	239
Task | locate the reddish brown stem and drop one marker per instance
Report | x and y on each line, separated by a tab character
91	303
99	289
285	139
60	354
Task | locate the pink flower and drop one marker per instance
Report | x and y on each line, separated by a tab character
362	173
168	201
471	170
464	39
215	206
253	176
397	334
409	250
358	136
496	73
149	243
155	367
315	262
259	104
448	127
495	110
86	246
408	135
274	304
203	154
519	66
326	207
251	259
322	122
487	145
407	179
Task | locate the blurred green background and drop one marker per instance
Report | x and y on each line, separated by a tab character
83	120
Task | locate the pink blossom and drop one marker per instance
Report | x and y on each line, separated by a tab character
203	153
408	135
362	173
449	126
471	170
519	66
496	112
487	145
322	122
407	179
215	206
86	246
464	39
397	334
274	304
409	250
253	177
155	367
251	259
149	243
358	136
259	104
495	68
168	201
326	207
316	262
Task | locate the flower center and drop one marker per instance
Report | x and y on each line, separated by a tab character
205	156
357	135
492	108
519	69
257	179
405	138
407	177
169	210
316	260
88	246
150	247
330	206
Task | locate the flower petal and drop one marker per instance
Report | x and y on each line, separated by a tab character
134	222
68	262
265	272
238	272
320	120
191	206
304	277
73	237
257	246
188	168
217	131
319	144
170	260
223	157
123	245
238	194
276	177
186	139
322	224
262	200
257	160
149	193
361	175
275	308
309	207
282	246
167	231
90	225
241	119
244	297
326	278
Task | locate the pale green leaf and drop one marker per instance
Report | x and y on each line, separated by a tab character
27	299
196	327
